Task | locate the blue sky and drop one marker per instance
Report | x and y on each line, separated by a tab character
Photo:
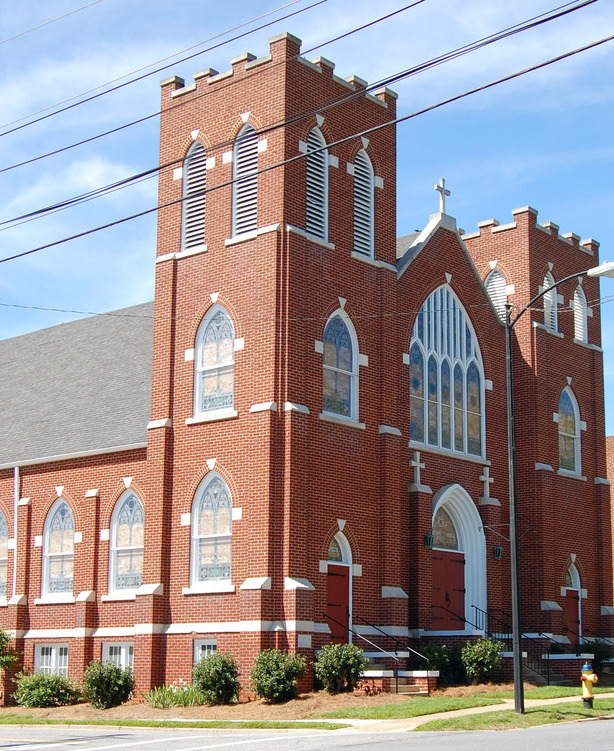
543	140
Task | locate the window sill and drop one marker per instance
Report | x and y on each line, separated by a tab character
572	475
372	261
208	588
308	236
3	602
54	600
588	345
448	452
213	416
340	420
245	236
119	596
545	328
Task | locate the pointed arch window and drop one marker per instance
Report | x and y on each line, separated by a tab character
4	554
446	377
214	363
550	303
245	187
211	532
363	204
569	432
58	550
580	312
316	222
340	363
495	288
127	541
194	197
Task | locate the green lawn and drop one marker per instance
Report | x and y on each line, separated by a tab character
25	719
552	692
508	719
414	707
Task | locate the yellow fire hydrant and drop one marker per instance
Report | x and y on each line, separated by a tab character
588	678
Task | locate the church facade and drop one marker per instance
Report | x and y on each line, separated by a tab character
304	438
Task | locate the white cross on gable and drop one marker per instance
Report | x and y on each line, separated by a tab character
443	192
417	465
487	480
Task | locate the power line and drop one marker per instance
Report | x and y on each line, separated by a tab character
340	141
46	23
422	67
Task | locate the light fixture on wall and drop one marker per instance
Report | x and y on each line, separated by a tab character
428	541
497	552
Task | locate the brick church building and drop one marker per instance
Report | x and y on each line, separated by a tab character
303	438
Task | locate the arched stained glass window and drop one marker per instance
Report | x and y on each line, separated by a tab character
127	541
580	315
550	303
194	185
245	185
316	222
495	287
4	553
214	363
450	415
444	533
211	531
569	432
363	204
340	376
58	550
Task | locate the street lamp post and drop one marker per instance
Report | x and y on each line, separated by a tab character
604	269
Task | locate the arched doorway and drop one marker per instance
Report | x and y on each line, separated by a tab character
339	589
572	611
459	560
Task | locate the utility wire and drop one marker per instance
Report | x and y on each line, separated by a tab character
465	49
340	141
46	23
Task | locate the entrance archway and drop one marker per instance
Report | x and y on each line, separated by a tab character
339	590
459	559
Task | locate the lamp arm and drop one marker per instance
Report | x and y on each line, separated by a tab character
530	304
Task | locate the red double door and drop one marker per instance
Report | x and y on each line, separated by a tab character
338	603
572	615
448	590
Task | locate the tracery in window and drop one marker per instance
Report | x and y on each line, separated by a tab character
127	540
194	185
245	185
211	531
58	550
550	303
580	315
495	288
4	553
317	185
363	204
446	380
569	432
214	363
340	363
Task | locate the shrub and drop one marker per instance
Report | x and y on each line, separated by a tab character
339	667
481	657
182	695
275	674
7	653
106	685
215	676
601	650
45	690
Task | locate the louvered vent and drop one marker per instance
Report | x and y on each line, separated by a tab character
579	315
317	185
363	204
550	303
495	287
194	184
245	193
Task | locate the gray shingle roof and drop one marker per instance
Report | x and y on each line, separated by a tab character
79	387
404	242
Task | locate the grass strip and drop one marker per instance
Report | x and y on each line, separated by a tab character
552	692
416	706
25	719
509	720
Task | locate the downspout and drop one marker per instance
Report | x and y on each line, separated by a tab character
15	505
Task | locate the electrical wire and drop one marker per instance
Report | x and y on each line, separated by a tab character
46	23
291	160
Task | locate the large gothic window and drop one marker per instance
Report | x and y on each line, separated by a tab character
58	550
245	185
194	185
214	363
550	303
127	540
446	379
211	532
340	376
4	554
569	432
363	204
317	185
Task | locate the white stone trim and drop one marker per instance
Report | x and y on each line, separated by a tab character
389	430
256	582
11	543
543	327
426	449
119	596
312	238
405	358
189	355
88	595
303	641
38	541
319	347
341	420
601	481
186	519
244	236
55	600
177	173
78	537
363	360
378	182
293	407
92	493
74	455
24	502
239	343
572	475
227	413
105	534
488	386
227	155
541	466
394	592
549	605
150	589
164	422
372	261
607	610
264	407
292	583
236	515
356	569
223	585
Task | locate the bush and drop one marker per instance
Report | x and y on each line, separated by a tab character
106	685
7	653
215	676
601	650
275	674
443	658
45	690
481	657
177	695
339	667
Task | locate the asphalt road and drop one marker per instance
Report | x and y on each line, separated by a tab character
596	734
